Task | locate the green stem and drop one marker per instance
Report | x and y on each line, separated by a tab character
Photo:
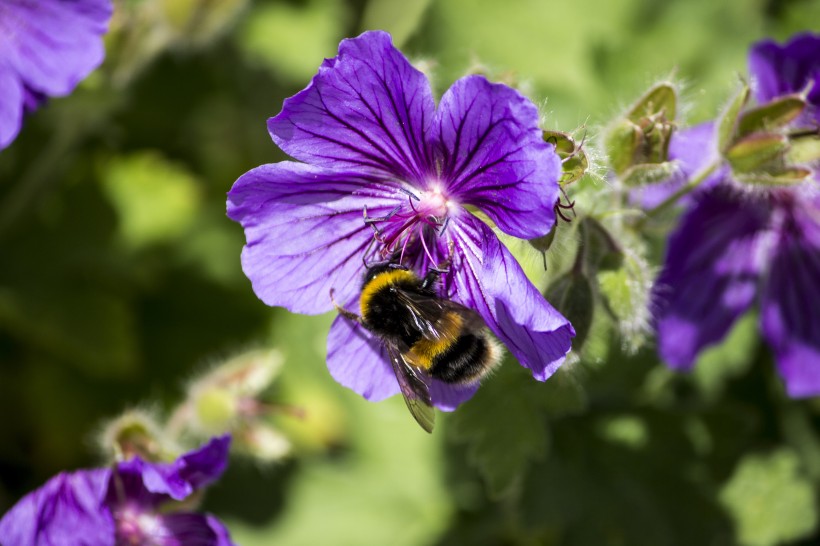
683	190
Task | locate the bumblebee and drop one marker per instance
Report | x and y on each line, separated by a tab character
426	337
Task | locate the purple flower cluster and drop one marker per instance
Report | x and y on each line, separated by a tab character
131	502
387	173
46	48
736	246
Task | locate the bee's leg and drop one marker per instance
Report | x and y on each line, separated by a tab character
434	273
344	312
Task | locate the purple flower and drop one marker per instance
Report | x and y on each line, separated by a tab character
46	48
791	68
125	504
736	246
375	146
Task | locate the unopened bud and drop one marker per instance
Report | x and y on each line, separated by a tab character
134	434
643	135
261	441
574	162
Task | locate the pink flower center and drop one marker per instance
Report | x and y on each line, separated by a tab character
134	527
421	218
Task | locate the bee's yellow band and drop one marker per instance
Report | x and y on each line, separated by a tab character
424	351
382	281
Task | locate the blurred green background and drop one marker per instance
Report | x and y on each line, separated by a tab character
120	282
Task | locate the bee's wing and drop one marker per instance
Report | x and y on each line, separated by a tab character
431	315
414	388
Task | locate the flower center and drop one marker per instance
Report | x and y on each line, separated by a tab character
433	203
412	225
134	527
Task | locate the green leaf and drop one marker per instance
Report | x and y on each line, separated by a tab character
769	500
728	119
503	426
732	357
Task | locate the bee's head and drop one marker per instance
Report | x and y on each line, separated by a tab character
377	269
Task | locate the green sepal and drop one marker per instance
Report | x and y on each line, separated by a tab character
574	162
803	149
621	143
564	144
785	177
543	243
729	118
602	252
660	99
648	173
753	152
572	295
774	115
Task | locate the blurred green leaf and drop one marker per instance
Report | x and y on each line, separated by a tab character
769	499
400	18
92	330
503	427
718	364
311	33
156	199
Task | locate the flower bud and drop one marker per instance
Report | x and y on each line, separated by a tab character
642	136
135	433
261	441
574	163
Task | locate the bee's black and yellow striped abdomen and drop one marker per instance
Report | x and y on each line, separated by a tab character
455	346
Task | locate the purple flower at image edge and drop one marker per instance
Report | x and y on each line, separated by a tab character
127	503
46	48
735	247
373	144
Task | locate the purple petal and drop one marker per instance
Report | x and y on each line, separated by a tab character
789	308
223	537
493	156
188	529
305	232
358	360
53	44
487	278
188	473
448	397
67	511
713	262
779	70
368	108
11	106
